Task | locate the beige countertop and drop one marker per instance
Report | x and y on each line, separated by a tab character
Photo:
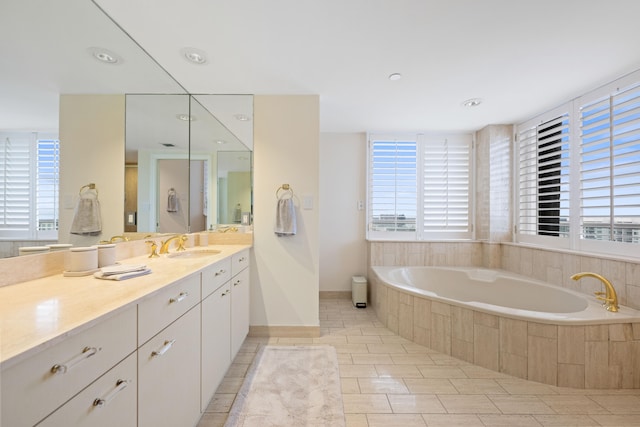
37	314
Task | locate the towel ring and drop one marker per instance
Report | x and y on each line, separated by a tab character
286	188
90	186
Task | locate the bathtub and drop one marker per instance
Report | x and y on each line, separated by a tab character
511	324
502	293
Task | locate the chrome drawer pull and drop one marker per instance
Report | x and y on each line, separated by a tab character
179	298
225	293
242	259
64	367
220	272
237	282
167	345
103	401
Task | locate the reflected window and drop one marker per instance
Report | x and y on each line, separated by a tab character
29	182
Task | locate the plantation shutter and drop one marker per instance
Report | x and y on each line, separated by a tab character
392	187
543	178
47	188
15	186
610	167
446	187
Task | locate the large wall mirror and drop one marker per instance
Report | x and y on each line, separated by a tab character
182	164
73	47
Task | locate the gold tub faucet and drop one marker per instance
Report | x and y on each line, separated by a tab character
610	297
181	238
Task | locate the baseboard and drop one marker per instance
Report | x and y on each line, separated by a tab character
285	331
335	294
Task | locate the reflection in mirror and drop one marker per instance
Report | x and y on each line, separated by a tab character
173	145
49	49
234	187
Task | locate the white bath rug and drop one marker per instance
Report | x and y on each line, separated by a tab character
290	386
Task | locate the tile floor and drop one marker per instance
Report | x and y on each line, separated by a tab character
390	381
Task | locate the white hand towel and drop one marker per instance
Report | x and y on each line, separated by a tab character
121	276
285	218
86	218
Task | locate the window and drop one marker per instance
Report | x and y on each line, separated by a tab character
543	198
594	143
419	187
29	186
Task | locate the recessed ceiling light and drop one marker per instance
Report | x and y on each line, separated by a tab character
473	102
105	55
185	117
242	117
395	76
193	55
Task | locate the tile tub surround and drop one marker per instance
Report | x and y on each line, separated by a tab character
599	356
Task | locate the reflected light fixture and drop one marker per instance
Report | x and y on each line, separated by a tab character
473	102
193	55
220	141
242	117
105	56
185	117
395	76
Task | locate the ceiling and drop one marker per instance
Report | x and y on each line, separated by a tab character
521	58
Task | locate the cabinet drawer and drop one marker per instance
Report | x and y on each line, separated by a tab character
34	388
155	313
109	401
215	276
239	262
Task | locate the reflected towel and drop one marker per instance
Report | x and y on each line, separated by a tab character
285	218
172	201
86	218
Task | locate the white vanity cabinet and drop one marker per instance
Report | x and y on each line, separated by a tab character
35	387
239	300
169	375
216	340
109	401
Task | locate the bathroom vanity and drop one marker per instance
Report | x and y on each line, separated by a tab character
147	351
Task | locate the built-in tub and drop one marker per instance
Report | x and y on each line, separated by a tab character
511	324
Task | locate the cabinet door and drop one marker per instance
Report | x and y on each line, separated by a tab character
239	310
216	338
109	401
169	375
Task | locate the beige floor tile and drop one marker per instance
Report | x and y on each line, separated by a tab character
617	420
418	349
394	339
398	371
468	404
395	420
212	420
344	359
366	404
518	386
473	371
364	339
355	420
221	403
382	385
445	360
430	386
566	420
349	385
358	371
412	359
619	404
386	348
230	385
415	404
237	370
477	386
518	404
330	339
452	420
351	348
379	331
441	372
371	359
568	405
509	420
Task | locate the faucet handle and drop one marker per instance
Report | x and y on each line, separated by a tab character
154	249
181	242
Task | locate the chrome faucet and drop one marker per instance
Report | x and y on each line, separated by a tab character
181	238
610	297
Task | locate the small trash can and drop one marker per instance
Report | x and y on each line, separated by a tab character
359	291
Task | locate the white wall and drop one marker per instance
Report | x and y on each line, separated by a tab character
285	271
342	225
92	129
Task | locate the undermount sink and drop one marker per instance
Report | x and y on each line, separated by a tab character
199	253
